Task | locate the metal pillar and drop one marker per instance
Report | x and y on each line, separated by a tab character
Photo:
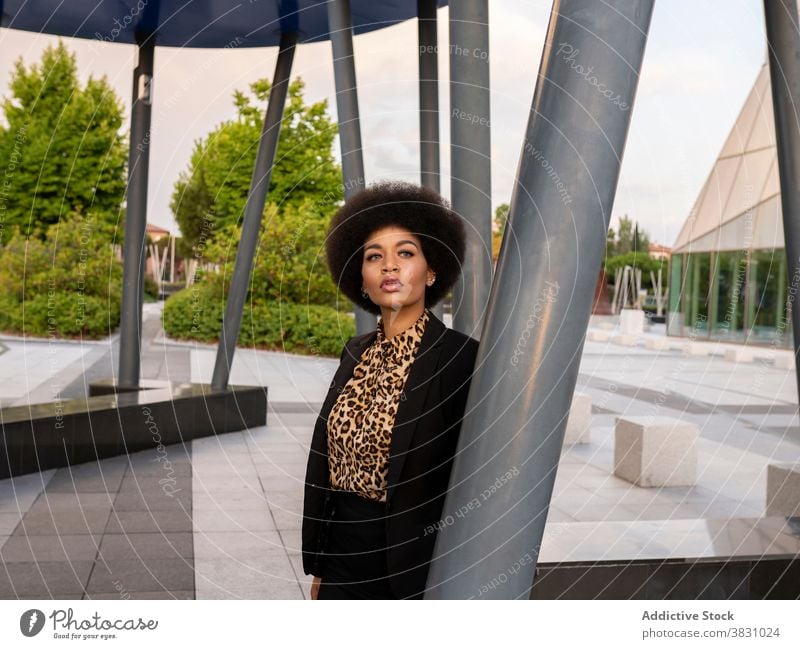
428	94
340	28
539	308
253	212
783	43
470	157
429	102
130	331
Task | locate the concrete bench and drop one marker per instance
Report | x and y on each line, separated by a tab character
739	354
695	349
784	361
579	424
656	343
631	321
783	490
655	451
629	340
598	336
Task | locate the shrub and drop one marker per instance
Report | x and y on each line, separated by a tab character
196	313
64	286
150	289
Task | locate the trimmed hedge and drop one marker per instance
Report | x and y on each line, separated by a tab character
68	285
195	313
61	315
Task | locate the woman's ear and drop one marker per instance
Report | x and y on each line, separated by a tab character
431	277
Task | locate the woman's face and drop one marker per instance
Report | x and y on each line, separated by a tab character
394	269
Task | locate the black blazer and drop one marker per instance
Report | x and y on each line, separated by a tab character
421	452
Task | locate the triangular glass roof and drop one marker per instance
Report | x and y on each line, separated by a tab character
739	204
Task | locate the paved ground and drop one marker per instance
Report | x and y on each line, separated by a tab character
231	526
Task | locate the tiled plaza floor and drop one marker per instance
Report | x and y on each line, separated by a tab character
228	524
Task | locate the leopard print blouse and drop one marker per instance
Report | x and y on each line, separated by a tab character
361	420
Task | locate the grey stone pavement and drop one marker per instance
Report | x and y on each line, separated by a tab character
231	528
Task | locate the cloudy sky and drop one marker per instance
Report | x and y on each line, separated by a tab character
700	63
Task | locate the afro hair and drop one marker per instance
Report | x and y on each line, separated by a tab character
421	211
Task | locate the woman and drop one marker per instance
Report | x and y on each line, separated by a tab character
380	458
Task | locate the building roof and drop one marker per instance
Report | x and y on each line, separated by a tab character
657	247
155	229
739	206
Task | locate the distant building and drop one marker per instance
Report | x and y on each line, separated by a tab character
657	251
155	232
728	266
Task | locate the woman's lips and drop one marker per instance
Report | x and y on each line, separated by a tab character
391	285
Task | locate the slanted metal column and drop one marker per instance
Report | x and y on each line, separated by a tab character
340	28
470	157
508	451
133	255
253	212
428	94
429	101
783	43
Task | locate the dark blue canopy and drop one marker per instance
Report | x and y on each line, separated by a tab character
197	23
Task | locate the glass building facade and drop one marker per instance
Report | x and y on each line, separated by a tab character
733	296
728	277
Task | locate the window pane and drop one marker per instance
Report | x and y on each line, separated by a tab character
697	294
729	294
675	313
765	272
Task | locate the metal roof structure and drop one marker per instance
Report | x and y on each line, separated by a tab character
198	23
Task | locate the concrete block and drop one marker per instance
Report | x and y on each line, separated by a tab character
598	336
656	343
739	354
579	424
783	490
631	321
655	451
695	349
785	361
628	340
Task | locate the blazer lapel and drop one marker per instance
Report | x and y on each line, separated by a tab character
412	399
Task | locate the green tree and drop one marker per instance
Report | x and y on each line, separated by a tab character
60	147
212	192
640	259
289	265
624	243
629	237
500	217
611	245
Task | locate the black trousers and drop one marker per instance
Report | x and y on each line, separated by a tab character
354	561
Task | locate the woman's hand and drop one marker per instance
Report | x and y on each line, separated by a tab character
315	587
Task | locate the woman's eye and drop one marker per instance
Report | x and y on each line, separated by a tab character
375	255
